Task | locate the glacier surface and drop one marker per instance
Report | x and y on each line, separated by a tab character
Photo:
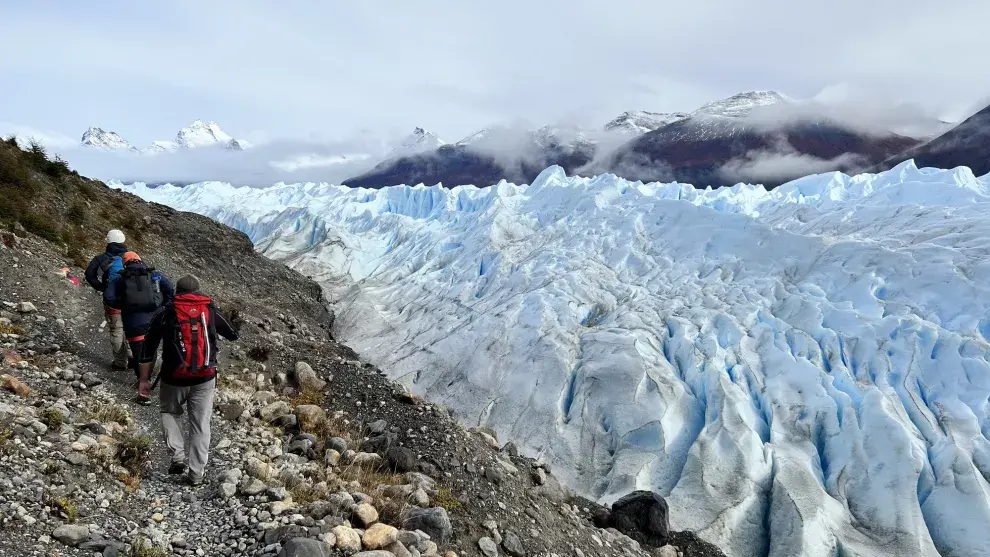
802	371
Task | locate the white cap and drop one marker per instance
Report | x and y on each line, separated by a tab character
115	236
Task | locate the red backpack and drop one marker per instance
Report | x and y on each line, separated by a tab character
196	336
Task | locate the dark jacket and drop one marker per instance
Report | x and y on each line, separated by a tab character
95	271
136	323
164	330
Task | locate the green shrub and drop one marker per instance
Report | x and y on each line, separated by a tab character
77	213
52	418
40	226
133	452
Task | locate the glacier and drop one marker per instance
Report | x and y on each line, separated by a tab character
801	371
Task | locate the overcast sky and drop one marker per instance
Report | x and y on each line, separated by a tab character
324	69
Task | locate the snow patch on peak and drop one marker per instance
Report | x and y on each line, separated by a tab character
640	121
201	133
419	141
104	139
740	104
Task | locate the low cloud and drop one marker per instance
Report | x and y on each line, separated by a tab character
782	165
262	165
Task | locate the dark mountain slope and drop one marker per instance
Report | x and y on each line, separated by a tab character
720	151
967	144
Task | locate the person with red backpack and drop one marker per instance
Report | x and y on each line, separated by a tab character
102	270
138	292
188	330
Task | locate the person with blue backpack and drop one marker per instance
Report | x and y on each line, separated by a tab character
139	291
99	273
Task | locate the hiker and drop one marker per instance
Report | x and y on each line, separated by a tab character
189	327
139	291
100	271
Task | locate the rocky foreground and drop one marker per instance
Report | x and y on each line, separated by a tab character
315	453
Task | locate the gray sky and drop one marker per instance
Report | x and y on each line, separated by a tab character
326	70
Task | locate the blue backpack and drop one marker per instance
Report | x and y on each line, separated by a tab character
113	271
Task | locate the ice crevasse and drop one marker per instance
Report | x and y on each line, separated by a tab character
802	371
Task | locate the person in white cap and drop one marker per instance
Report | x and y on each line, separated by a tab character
98	274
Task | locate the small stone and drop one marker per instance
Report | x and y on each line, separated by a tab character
275	410
231	411
539	476
304	547
158	517
379	536
332	457
347	538
488	547
26	307
367	460
228	490
258	469
419	498
253	486
667	551
91	380
365	514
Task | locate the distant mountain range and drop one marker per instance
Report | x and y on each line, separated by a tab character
759	136
198	134
756	137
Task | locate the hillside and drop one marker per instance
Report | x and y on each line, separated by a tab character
294	471
966	144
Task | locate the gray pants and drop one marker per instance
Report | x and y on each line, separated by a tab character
118	346
198	402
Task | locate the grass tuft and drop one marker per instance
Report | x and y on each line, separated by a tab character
133	452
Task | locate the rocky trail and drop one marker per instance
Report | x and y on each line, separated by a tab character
314	452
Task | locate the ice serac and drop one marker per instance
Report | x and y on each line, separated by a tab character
802	371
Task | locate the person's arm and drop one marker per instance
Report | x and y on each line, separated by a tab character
110	294
224	328
92	274
151	341
168	291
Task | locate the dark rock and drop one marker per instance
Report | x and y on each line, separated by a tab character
380	443
95	428
433	521
231	411
304	547
91	380
512	544
510	449
376	427
338	444
283	534
643	516
427	468
494	474
400	459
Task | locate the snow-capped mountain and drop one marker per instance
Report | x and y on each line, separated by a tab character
419	141
199	134
741	104
640	121
106	140
800	371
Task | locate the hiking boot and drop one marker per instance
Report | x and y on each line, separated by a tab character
193	480
177	468
119	367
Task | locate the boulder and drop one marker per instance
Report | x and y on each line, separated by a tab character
71	535
488	547
15	385
400	459
309	416
380	443
365	514
643	516
338	444
231	411
434	521
367	460
380	536
275	410
512	544
304	547
305	378
347	538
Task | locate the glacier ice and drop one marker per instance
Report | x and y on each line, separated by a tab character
802	371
